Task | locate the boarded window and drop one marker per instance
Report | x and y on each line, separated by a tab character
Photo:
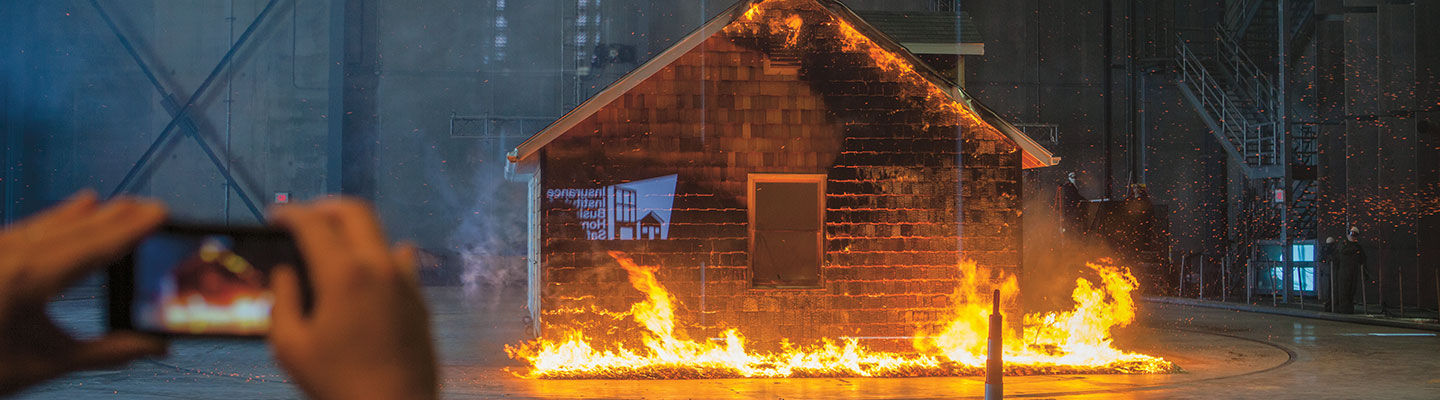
786	229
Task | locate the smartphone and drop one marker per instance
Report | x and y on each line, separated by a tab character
195	280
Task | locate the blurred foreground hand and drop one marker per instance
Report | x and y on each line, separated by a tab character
367	335
41	256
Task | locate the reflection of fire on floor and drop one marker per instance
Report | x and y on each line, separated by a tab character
1071	342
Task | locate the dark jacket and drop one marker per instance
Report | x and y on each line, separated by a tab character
1349	253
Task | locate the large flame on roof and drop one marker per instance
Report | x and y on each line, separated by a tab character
1074	341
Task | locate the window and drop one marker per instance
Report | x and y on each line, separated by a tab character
787	231
502	33
1302	252
1304	279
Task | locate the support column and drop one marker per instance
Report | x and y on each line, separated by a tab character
353	117
1282	36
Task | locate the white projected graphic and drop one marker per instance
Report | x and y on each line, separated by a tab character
638	210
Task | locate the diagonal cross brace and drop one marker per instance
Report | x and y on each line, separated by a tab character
179	114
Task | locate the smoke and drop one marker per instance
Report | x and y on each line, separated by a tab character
1051	262
488	243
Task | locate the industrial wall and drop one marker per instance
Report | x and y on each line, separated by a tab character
1377	101
80	112
894	198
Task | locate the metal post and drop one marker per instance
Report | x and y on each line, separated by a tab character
1364	298
1249	278
1200	279
994	364
1225	278
1130	121
1331	268
1108	82
1284	138
1144	136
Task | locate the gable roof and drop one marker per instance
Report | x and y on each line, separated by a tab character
1033	154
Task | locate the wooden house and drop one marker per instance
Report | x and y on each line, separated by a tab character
790	170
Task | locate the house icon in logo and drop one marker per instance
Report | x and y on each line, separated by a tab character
650	227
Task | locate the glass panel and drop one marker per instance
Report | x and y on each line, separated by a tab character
1302	252
786	259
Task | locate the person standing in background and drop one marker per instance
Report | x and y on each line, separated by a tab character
1349	260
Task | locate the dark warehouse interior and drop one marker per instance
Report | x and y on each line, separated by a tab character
768	198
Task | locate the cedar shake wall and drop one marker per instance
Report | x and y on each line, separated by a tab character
725	110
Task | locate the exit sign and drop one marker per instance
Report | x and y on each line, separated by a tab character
282	197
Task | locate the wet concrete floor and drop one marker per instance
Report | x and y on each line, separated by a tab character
1225	354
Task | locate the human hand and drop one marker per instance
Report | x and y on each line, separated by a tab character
40	257
368	334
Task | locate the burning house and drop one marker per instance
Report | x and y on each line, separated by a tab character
789	171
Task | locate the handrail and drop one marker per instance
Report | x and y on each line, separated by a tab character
1247	136
1301	11
1257	83
1235	11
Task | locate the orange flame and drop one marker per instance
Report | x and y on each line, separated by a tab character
1078	338
1075	341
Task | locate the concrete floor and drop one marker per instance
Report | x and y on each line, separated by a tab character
1226	354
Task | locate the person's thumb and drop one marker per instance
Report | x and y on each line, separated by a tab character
114	349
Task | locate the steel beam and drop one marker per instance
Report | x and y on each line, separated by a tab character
179	113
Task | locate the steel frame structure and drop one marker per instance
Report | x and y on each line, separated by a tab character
179	113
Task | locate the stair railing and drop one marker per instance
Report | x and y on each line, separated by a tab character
1240	13
1247	136
1254	82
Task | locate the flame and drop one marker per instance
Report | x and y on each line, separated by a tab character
194	314
1075	341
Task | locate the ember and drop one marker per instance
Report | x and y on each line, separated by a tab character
1071	342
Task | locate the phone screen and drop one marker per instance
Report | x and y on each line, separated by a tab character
198	282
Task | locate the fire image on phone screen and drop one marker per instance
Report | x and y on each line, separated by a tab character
205	284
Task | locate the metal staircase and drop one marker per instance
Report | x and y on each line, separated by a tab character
1235	98
1227	78
1304	183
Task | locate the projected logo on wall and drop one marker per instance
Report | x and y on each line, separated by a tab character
638	210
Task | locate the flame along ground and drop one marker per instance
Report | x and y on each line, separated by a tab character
1071	342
